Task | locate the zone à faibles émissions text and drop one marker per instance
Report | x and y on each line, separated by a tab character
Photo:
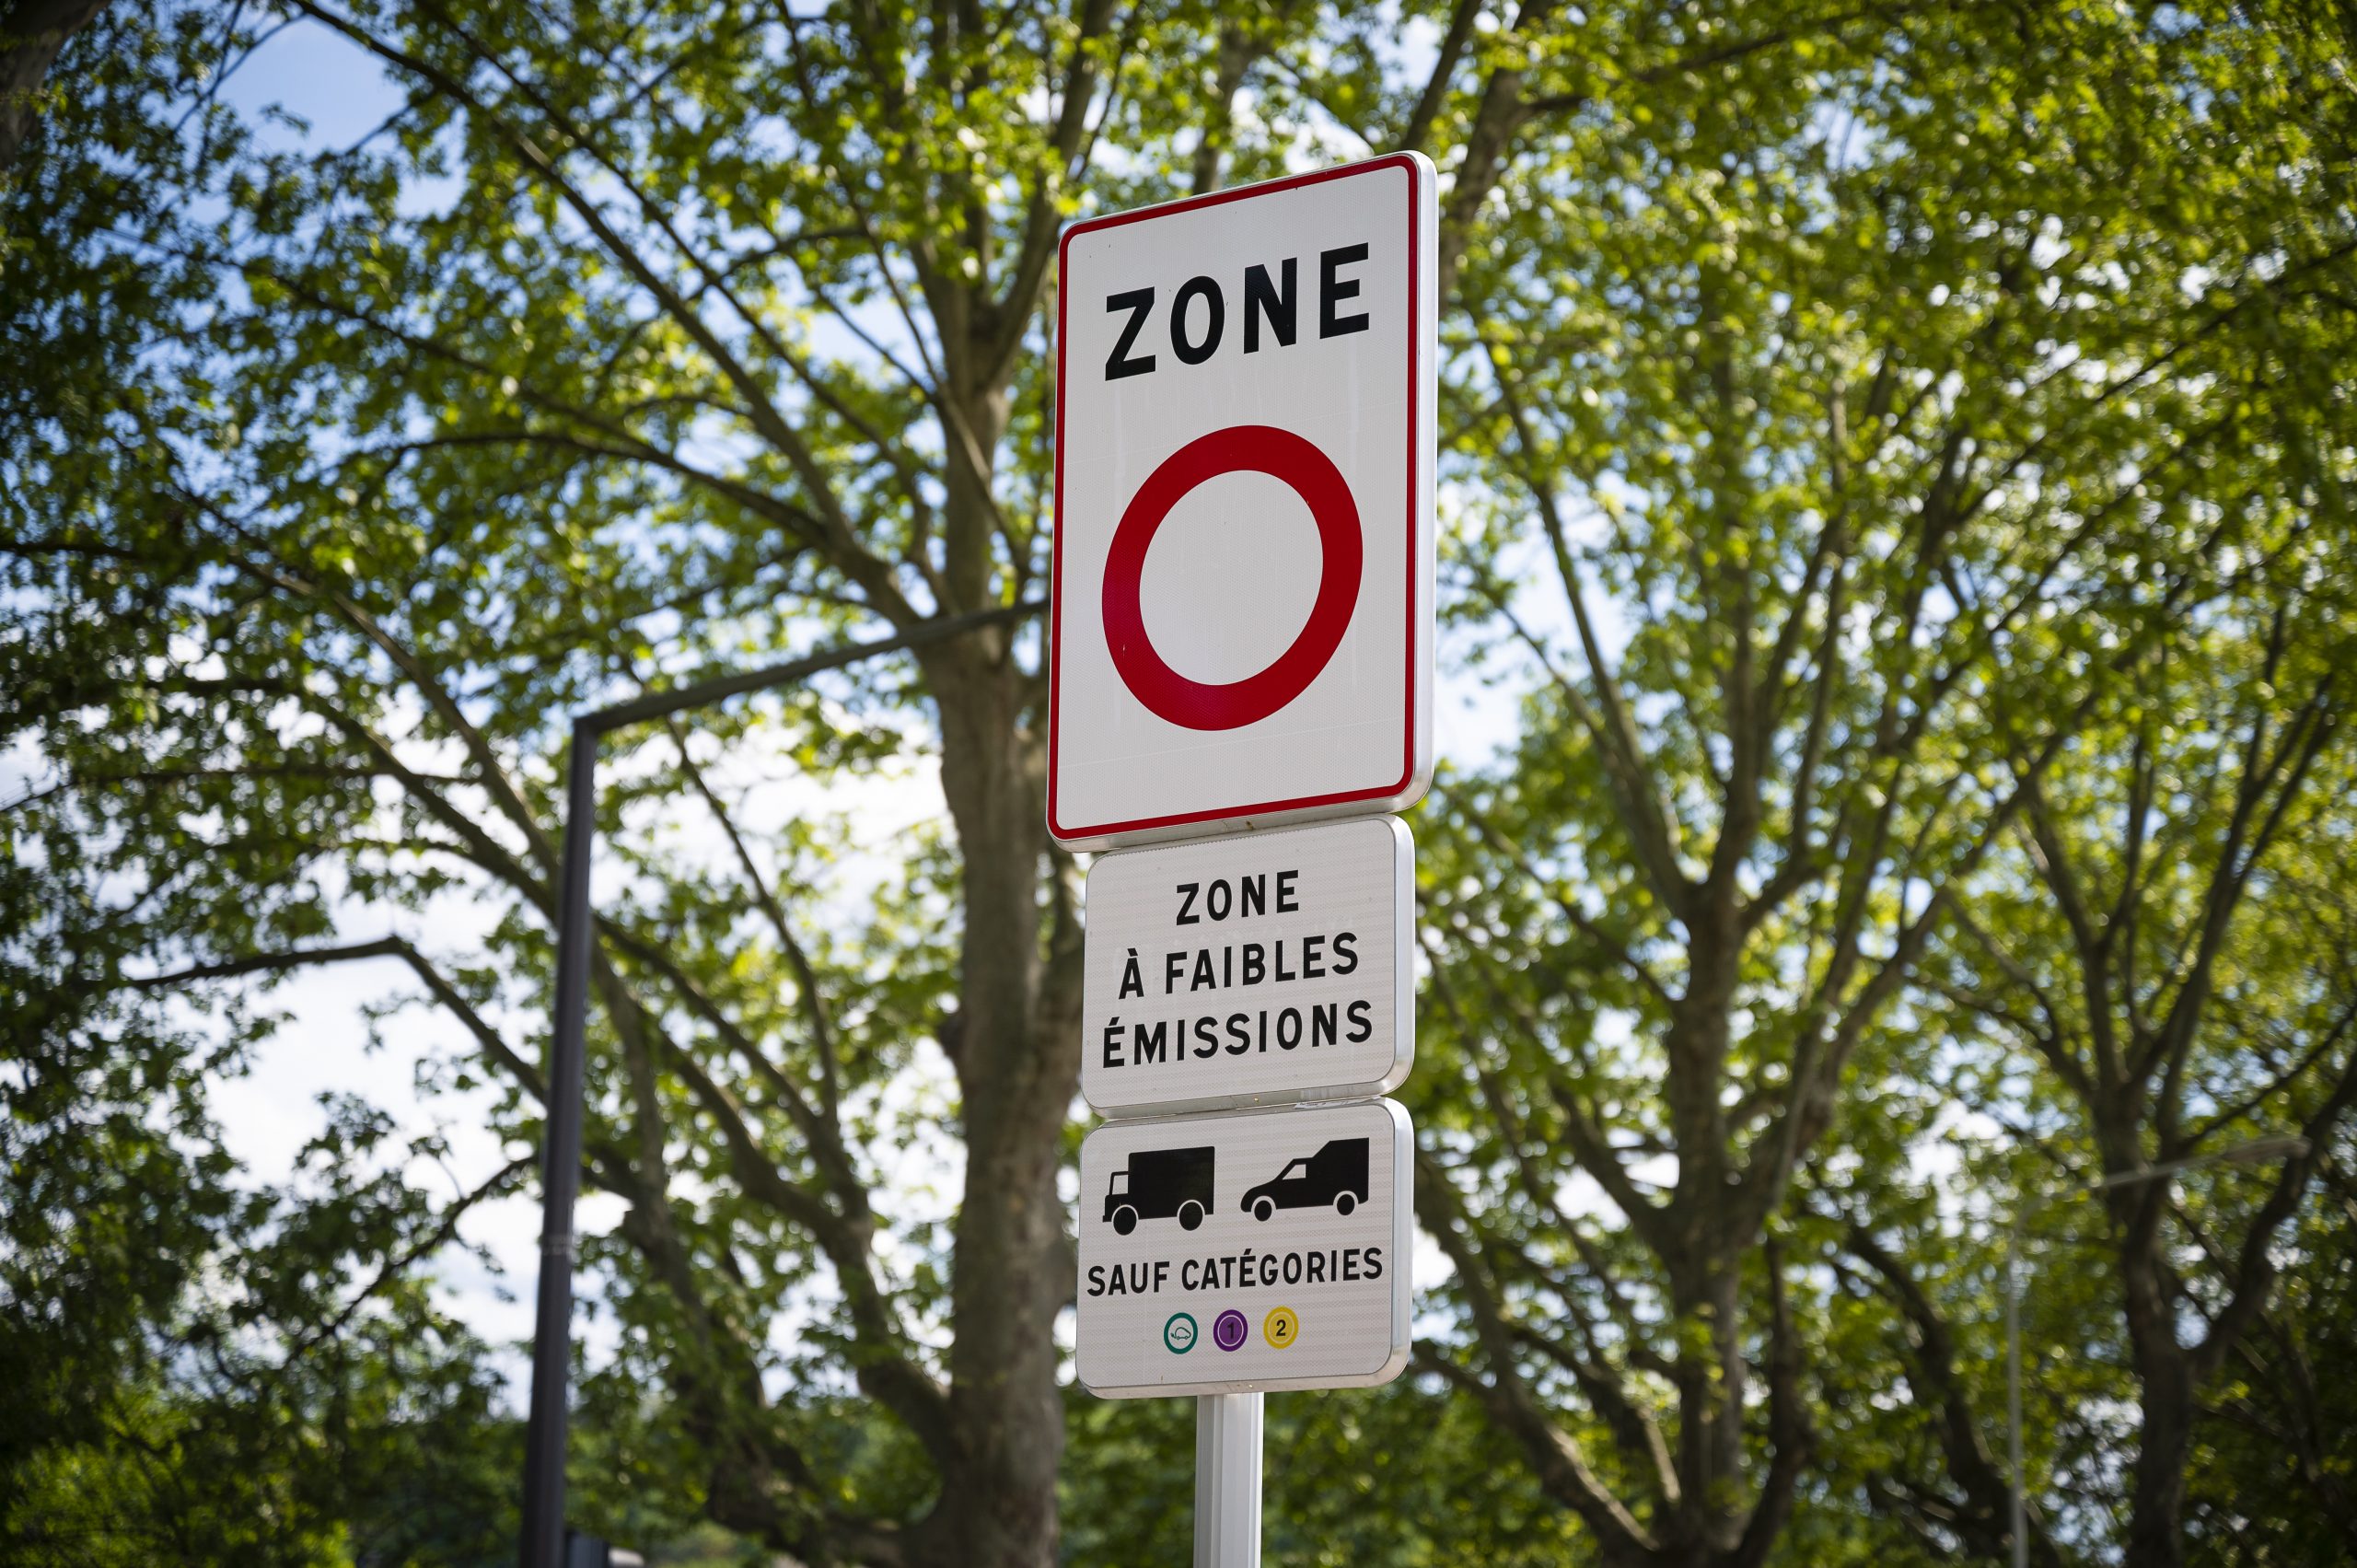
1235	965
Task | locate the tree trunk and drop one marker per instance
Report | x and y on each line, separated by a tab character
1018	1073
2155	1526
31	34
2164	1371
1709	1520
1706	1269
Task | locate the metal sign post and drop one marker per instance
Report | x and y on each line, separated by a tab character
1243	641
1227	1480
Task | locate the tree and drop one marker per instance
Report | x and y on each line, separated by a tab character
2269	1475
1843	404
202	1373
1910	390
2161	934
2170	947
634	343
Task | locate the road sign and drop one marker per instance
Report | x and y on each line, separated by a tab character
1253	969
1243	597
1259	1251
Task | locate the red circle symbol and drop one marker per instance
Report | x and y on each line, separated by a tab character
1255	448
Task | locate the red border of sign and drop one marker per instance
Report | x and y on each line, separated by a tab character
1056	587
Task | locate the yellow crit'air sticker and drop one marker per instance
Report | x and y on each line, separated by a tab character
1281	1327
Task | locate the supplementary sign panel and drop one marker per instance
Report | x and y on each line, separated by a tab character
1255	969
1243	576
1259	1250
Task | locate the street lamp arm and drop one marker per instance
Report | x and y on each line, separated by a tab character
656	704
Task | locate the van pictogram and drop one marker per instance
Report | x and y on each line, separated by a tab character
1335	1174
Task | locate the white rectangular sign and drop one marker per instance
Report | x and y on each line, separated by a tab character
1243	575
1268	1251
1259	969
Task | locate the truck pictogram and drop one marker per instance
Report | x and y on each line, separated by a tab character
1335	1174
1160	1184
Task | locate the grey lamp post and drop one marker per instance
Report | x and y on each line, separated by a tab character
543	1544
2258	1151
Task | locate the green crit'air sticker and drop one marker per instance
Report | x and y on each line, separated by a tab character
1178	1334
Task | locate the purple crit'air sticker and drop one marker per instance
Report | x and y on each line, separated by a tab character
1228	1330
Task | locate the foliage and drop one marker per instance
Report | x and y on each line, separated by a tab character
1399	1478
200	1372
1896	471
2270	1479
1912	404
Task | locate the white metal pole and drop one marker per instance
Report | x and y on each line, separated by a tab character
1227	1480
